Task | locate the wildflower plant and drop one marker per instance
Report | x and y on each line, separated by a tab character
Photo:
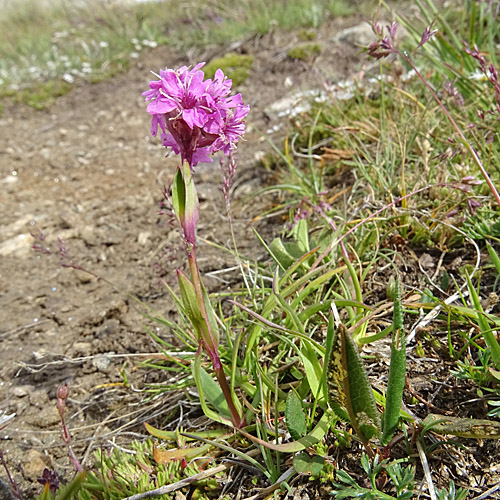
197	118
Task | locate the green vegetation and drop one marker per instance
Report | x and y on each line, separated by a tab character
372	188
235	66
50	42
304	52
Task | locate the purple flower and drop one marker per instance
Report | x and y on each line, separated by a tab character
197	117
426	36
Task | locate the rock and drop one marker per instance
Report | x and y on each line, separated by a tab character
101	362
19	246
10	179
83	277
33	464
143	238
87	233
20	391
109	327
81	349
294	104
360	35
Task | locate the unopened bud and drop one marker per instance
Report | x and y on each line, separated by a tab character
62	395
63	391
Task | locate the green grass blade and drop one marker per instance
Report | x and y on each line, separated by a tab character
202	385
494	257
483	323
314	437
70	490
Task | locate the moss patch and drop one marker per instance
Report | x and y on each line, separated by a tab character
304	52
306	35
235	66
42	95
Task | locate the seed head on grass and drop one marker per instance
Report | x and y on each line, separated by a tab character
196	117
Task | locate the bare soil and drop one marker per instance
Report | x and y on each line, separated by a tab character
88	172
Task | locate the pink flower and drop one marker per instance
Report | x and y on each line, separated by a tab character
197	117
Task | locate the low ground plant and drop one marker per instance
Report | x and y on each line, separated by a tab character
286	369
48	46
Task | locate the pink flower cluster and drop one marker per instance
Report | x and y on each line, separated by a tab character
197	117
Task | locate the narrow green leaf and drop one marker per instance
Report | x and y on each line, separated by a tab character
312	367
46	494
201	387
463	427
213	393
190	303
70	490
185	202
307	355
173	435
397	371
281	253
483	323
301	234
494	257
314	437
179	196
294	416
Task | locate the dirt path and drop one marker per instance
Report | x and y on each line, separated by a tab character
87	171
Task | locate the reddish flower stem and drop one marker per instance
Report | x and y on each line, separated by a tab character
209	342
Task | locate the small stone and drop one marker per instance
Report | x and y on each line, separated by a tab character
360	35
87	233
81	348
10	179
109	327
20	391
101	362
83	277
33	464
19	246
47	417
143	238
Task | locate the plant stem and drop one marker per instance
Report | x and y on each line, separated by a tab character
209	342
